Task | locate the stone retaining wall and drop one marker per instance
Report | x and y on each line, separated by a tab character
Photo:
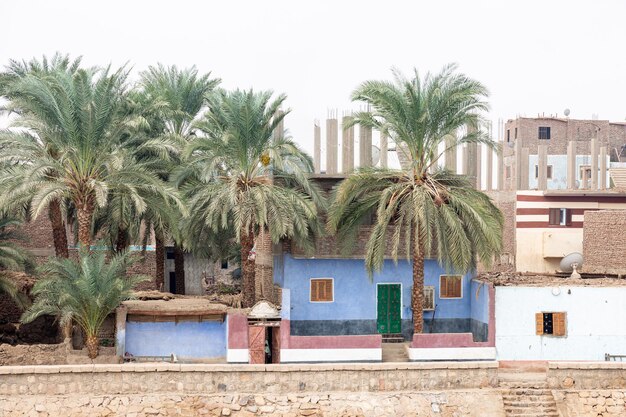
208	379
587	375
438	389
484	403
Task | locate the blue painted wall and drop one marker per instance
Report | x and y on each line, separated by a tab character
479	301
190	339
355	294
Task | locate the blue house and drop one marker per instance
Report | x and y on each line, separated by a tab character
329	301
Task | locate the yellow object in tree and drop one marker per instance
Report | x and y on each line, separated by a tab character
265	159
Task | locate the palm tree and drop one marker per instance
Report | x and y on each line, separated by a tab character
177	96
12	258
80	116
426	210
84	291
15	71
239	177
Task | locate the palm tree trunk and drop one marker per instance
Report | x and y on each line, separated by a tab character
92	344
160	260
121	242
59	234
418	286
247	270
85	215
179	268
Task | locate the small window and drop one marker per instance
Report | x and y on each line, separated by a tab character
515	133
450	286
551	323
225	264
169	254
429	298
544	132
548	172
322	290
560	217
508	135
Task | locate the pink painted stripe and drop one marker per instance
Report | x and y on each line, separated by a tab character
237	331
336	342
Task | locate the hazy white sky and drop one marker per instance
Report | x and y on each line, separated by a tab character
534	56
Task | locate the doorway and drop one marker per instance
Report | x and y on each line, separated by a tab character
172	283
389	308
264	343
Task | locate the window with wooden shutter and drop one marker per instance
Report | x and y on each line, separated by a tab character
322	290
560	217
450	286
551	323
558	324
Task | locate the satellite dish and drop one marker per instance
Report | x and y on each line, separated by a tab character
566	112
375	155
571	261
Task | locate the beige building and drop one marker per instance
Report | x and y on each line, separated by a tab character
549	225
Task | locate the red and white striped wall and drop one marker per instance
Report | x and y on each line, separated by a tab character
541	246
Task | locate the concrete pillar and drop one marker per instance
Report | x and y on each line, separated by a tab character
489	167
594	163
464	161
365	146
524	169
542	167
317	147
473	160
120	331
603	168
332	134
279	132
518	166
478	167
571	165
500	185
384	150
450	154
347	147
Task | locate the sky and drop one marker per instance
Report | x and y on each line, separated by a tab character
534	56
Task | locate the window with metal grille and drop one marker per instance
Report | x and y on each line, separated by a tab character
544	132
450	286
429	298
322	290
560	217
551	323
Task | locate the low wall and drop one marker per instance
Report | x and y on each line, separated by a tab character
589	389
58	354
181	379
587	375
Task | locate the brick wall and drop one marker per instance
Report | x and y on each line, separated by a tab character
604	242
505	201
562	131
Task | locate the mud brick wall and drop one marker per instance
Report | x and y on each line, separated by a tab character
506	202
604	242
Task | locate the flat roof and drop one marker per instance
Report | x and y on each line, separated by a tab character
515	279
175	306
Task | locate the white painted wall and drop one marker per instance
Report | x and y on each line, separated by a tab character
596	322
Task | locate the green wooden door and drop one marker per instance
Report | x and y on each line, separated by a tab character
389	308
